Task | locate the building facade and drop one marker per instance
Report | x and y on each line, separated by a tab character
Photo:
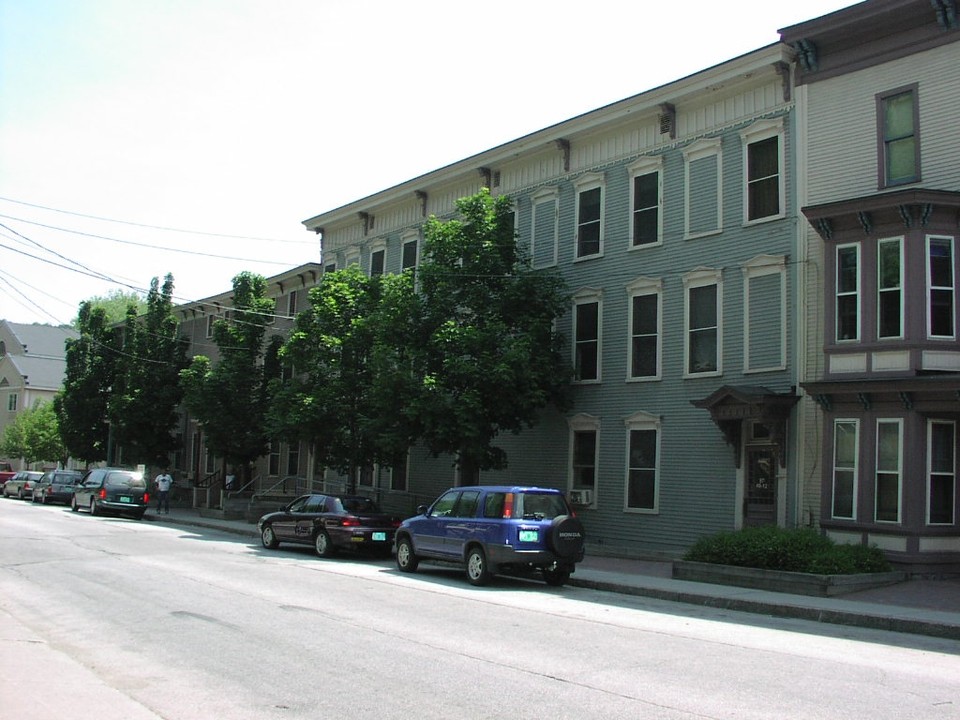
877	97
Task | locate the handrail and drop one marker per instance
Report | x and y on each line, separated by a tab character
208	480
253	481
282	481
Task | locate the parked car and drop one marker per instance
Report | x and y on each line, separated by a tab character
56	486
495	529
21	484
111	491
330	523
6	473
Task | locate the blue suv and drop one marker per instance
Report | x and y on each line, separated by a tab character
495	529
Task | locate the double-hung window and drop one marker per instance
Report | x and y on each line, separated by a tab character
764	195
940	287
12	399
846	450
941	472
703	314
889	470
644	322
646	202
543	250
584	449
890	288
848	292
292	303
589	221
643	463
898	144
377	262
587	311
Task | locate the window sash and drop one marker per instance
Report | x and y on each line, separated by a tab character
645	336
941	472
377	261
889	471
584	458
845	453
646	209
642	470
587	340
763	178
702	329
890	289
848	293
898	115
588	222
940	284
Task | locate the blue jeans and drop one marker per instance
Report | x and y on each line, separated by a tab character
163	500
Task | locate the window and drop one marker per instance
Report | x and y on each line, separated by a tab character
889	471
292	303
765	311
643	462
646	200
940	291
543	251
12	399
898	146
644	323
763	160
410	252
848	292
846	447
398	474
589	216
583	452
704	200
890	288
274	460
586	330
377	261
211	319
330	267
941	472
703	322
293	459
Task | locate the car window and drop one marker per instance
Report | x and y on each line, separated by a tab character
467	507
360	505
545	506
299	504
314	504
126	480
444	505
493	505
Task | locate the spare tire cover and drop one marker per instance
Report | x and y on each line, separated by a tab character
566	536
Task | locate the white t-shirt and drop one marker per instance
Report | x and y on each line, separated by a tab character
164	482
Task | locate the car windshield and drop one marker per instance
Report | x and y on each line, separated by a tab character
540	506
125	480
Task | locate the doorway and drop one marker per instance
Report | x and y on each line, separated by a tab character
760	496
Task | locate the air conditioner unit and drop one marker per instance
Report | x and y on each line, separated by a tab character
581	497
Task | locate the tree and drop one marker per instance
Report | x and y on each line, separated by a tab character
146	393
34	435
330	400
115	305
490	359
229	397
81	405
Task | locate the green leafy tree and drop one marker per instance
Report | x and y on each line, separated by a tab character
91	365
34	435
147	391
490	360
229	397
330	401
115	305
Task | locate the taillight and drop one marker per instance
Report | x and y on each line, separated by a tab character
146	498
50	490
508	506
102	494
350	521
396	522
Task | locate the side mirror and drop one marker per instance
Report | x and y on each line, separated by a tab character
422	509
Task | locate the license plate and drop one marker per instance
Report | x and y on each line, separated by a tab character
379	537
529	535
125	499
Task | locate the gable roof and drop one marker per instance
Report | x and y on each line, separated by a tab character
36	340
37	373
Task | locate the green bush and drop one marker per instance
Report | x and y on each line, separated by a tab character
795	550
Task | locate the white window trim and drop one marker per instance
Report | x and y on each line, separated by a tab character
876	470
353	258
584	183
642	421
856	469
543	196
586	296
696	151
410	236
858	292
882	241
645	166
378	245
929	470
584	422
764	130
929	282
761	266
645	286
702	277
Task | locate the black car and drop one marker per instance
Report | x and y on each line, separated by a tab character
112	491
330	523
56	486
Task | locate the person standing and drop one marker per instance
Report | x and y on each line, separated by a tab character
163	483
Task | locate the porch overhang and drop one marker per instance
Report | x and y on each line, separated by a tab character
730	405
935	393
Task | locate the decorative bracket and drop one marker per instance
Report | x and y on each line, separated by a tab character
866	221
783	69
563	146
907	400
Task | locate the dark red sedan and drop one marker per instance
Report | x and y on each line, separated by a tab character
330	523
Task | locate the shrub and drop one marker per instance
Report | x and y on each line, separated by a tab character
795	550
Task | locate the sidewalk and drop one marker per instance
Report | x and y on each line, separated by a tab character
921	607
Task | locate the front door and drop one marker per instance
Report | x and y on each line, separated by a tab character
760	496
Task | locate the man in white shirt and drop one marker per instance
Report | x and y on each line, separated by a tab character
163	482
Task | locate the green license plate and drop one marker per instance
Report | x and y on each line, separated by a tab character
126	498
529	536
379	537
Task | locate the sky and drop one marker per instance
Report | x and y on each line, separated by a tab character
193	137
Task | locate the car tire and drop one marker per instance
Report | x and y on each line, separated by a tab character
407	560
556	578
94	510
478	572
566	537
269	538
19	493
323	545
73	505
